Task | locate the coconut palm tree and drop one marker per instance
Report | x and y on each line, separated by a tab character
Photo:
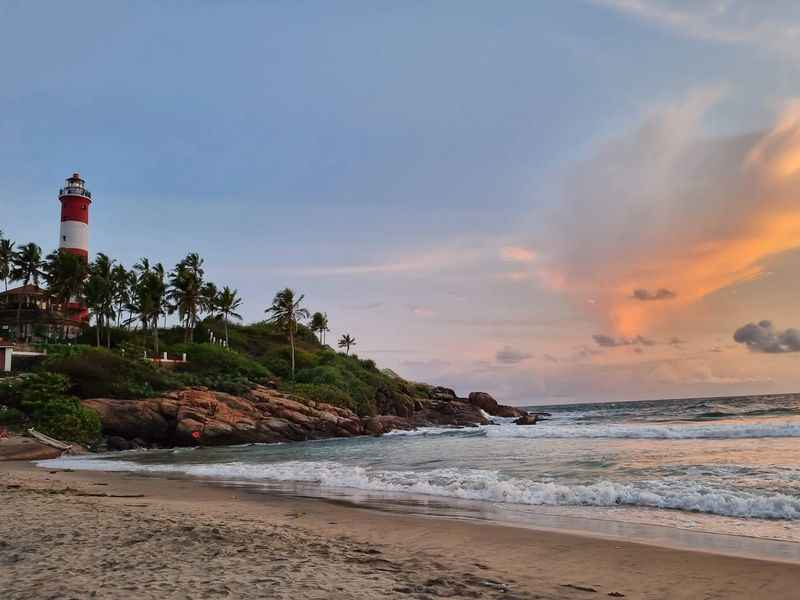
65	274
346	341
102	271
285	312
6	259
121	289
185	294
27	268
228	302
317	324
325	328
94	295
209	295
149	301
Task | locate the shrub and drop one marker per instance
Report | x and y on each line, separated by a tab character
97	372
219	368
11	416
43	399
320	392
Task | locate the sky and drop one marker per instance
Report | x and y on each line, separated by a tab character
550	201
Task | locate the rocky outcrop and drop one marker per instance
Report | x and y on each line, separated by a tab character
17	447
443	393
448	412
198	416
488	404
527	420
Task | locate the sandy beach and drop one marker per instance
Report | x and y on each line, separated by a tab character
70	534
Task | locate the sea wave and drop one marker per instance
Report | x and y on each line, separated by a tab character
477	484
635	431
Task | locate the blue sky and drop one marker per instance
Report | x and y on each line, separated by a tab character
387	158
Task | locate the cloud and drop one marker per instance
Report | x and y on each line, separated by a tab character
430	364
647	295
517	254
666	198
511	356
770	25
763	337
676	341
697	373
365	306
607	341
422	311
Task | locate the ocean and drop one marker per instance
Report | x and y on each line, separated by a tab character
721	466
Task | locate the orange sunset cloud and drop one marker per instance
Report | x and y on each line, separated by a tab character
661	222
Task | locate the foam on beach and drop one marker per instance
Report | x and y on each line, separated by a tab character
475	484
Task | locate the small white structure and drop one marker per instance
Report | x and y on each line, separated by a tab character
6	351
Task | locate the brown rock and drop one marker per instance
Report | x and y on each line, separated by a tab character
199	416
527	420
443	393
486	403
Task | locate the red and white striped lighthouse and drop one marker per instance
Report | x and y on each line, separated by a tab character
75	200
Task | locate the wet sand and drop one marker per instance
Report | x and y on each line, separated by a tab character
116	535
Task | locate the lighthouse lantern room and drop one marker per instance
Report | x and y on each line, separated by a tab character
75	200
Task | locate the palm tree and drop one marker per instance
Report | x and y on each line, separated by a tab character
27	268
228	302
94	296
317	324
6	259
285	312
101	271
120	289
346	341
149	301
66	275
186	283
325	328
209	295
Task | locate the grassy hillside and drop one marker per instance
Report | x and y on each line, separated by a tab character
259	353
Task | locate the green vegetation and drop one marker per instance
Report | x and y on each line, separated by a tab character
129	310
101	373
41	401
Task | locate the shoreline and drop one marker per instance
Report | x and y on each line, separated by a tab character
484	558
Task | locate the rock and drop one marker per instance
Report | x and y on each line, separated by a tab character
198	416
443	393
16	447
202	417
132	418
527	420
116	442
393	403
488	404
373	426
448	412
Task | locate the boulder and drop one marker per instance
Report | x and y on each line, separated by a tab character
488	404
451	412
443	393
527	420
116	442
201	417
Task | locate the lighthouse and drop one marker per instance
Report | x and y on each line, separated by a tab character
75	200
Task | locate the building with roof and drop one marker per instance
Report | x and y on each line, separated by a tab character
26	312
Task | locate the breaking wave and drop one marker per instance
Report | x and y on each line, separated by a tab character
660	432
477	484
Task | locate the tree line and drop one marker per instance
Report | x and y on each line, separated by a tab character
146	294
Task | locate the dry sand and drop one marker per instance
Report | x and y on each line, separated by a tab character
113	535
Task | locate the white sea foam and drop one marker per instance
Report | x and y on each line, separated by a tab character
476	484
634	431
